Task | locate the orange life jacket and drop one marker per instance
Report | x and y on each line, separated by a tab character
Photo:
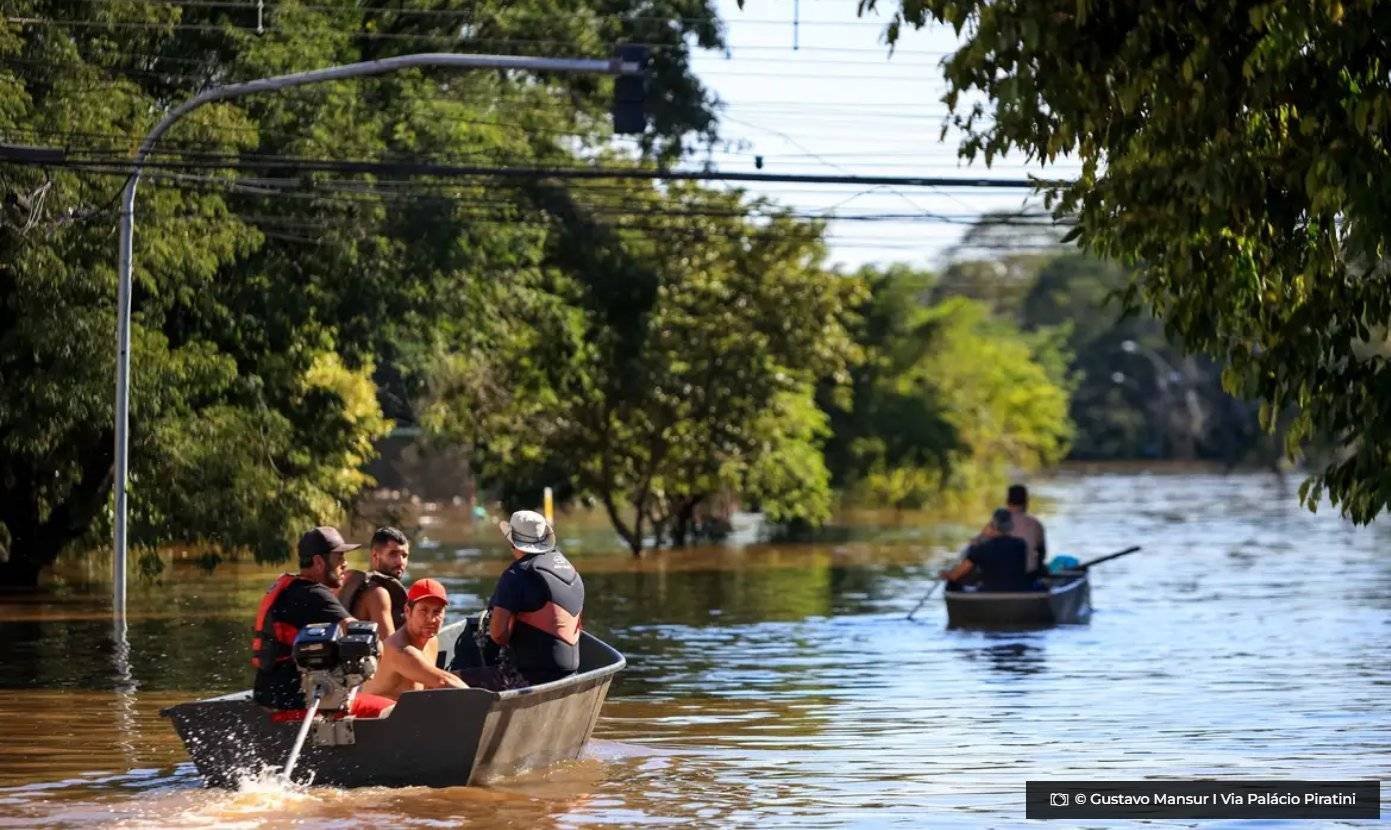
270	643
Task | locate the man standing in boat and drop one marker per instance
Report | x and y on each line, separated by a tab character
536	607
408	656
1027	527
377	594
999	557
293	602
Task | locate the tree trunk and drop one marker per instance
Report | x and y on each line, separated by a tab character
659	523
631	537
19	573
685	516
35	543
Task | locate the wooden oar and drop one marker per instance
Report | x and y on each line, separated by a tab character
1107	557
939	583
930	591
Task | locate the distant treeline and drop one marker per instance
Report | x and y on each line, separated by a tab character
1135	392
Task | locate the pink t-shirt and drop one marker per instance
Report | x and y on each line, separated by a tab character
1029	529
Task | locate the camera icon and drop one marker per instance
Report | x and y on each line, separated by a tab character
1058	800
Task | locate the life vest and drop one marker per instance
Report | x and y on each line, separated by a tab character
357	581
270	643
560	615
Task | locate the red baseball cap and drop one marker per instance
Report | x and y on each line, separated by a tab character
427	588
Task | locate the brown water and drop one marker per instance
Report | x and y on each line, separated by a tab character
781	685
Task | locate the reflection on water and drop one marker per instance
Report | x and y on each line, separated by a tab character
781	685
1009	658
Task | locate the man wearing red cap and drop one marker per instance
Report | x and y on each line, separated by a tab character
408	656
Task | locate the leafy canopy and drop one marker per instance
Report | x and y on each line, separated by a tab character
949	400
282	319
1237	156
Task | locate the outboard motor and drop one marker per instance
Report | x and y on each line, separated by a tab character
334	665
331	668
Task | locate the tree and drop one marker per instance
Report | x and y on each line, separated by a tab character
677	346
280	317
1237	156
1137	394
948	400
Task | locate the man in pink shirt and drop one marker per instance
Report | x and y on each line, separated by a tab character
1026	527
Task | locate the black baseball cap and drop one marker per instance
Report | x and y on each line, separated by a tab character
321	541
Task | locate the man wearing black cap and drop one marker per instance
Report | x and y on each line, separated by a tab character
293	602
1001	559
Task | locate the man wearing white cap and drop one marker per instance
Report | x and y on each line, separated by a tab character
537	605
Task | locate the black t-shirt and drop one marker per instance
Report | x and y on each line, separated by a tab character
1002	563
534	583
301	603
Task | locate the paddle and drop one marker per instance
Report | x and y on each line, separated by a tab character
1106	558
1081	567
930	591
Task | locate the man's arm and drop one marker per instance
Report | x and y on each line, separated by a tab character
1042	546
506	602
962	568
412	664
376	606
500	625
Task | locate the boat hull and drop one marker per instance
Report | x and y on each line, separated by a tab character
434	738
1067	601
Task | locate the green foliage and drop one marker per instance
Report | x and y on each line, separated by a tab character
282	317
949	400
1135	394
1237	157
660	374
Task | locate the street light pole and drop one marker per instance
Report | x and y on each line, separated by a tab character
614	66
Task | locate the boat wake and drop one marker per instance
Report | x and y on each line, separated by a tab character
256	795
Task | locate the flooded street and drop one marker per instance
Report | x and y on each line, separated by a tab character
780	685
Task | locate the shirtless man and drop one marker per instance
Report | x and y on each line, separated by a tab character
408	656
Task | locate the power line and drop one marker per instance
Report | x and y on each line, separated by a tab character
426	168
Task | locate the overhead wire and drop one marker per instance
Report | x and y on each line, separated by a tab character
821	159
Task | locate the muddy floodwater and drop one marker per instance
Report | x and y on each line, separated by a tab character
781	686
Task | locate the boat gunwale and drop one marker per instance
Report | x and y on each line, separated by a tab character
598	673
1016	596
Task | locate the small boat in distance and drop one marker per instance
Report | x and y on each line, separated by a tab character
1066	599
433	738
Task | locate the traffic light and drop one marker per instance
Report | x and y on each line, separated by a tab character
630	92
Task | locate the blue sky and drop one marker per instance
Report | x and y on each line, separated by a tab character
841	104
